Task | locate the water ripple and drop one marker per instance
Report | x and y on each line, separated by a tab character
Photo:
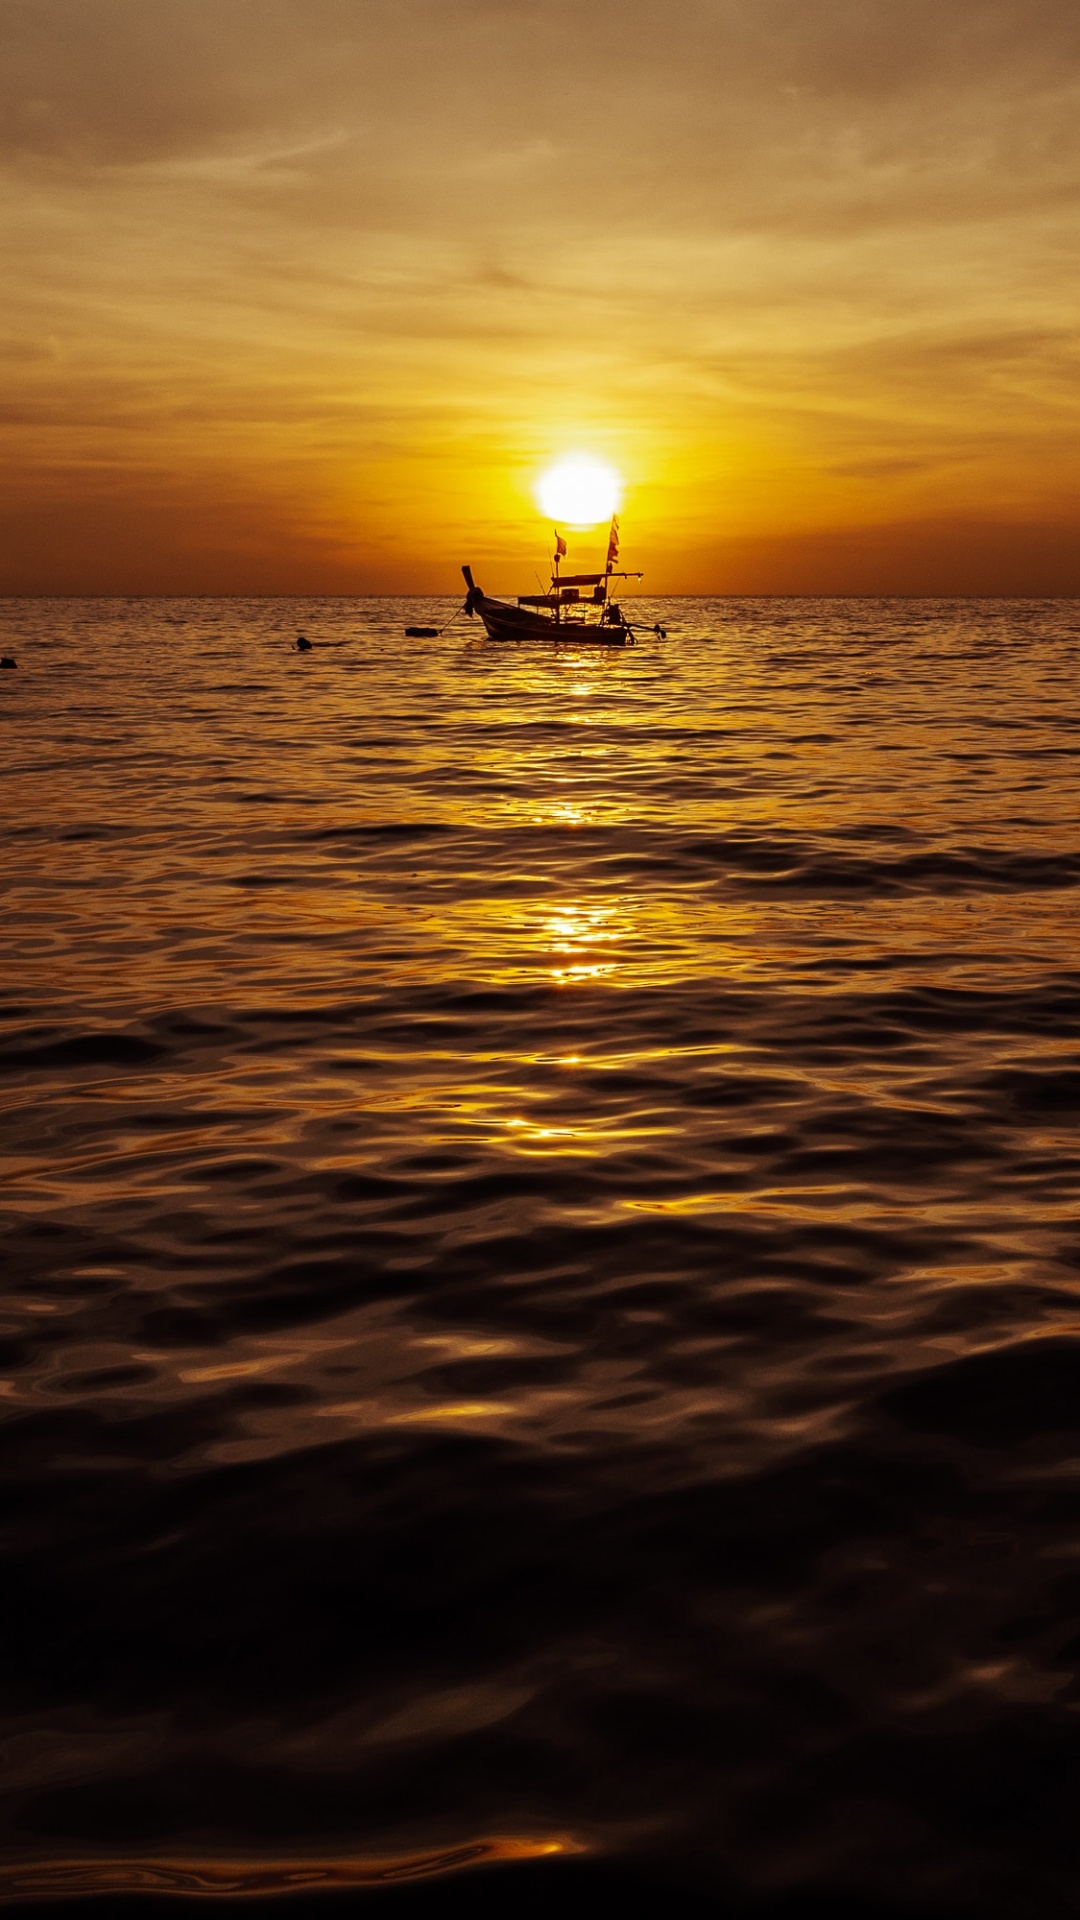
541	1249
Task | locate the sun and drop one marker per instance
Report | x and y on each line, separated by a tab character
579	491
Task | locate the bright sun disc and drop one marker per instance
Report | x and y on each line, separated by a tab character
579	491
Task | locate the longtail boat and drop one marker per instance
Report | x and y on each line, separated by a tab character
577	609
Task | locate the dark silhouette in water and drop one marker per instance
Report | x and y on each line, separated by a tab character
8	660
303	644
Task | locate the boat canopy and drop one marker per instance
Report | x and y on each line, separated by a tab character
577	579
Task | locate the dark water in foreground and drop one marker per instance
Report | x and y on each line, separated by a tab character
542	1260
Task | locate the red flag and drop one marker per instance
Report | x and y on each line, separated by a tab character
613	541
560	547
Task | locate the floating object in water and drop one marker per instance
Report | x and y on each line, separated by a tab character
577	610
8	660
303	644
421	633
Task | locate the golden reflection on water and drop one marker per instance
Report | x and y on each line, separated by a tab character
453	1412
560	1065
62	1879
575	932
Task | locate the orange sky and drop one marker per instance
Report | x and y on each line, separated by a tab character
301	295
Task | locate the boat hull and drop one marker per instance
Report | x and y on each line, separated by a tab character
504	622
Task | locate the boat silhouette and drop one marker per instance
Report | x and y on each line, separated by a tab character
576	610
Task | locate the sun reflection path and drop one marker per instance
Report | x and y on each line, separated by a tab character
576	932
60	1879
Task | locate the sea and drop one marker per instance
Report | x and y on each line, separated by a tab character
541	1260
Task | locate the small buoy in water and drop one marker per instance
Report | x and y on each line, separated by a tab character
303	644
8	660
421	633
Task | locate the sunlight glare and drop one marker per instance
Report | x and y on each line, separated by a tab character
579	491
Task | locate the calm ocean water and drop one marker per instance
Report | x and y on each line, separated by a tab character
541	1303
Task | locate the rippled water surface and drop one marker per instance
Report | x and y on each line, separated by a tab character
542	1246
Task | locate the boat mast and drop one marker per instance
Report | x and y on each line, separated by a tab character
612	556
560	549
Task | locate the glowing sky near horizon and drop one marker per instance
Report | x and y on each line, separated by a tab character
305	295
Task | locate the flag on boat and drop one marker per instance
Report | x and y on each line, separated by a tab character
560	547
613	541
